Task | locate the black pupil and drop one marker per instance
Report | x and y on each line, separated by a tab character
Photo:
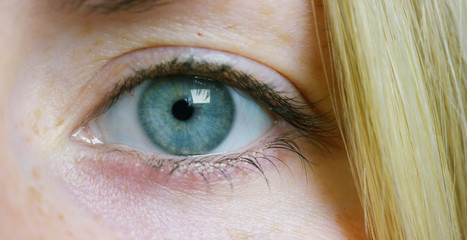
182	110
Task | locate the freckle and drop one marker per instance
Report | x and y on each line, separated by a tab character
98	43
36	173
37	114
89	50
286	38
34	196
267	11
40	211
35	130
86	30
61	218
60	123
21	124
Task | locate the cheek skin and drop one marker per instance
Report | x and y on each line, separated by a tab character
28	207
31	209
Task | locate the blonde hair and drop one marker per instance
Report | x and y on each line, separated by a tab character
401	95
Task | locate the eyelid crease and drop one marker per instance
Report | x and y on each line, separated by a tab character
314	126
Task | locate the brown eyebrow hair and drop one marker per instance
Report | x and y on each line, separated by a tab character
114	6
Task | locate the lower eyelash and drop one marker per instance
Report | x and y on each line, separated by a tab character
207	169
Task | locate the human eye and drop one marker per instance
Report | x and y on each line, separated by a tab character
196	115
182	115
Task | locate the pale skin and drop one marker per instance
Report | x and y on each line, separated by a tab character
48	61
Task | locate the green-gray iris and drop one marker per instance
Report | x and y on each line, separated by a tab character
186	115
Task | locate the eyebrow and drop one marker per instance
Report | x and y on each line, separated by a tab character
115	6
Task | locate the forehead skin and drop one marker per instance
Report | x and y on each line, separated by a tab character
49	55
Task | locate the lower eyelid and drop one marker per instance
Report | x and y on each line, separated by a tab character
183	174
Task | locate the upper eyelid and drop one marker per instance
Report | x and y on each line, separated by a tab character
292	108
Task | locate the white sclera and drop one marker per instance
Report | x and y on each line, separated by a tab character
120	124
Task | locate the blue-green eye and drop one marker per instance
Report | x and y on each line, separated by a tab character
185	115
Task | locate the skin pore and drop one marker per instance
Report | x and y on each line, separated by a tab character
50	79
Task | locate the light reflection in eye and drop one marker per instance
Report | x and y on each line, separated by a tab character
201	95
